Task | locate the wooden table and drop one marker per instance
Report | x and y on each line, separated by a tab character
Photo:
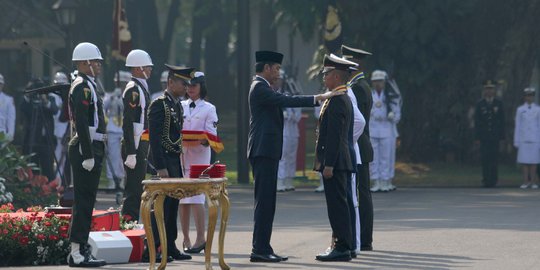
156	190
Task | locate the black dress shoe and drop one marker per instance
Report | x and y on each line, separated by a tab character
335	256
353	254
366	248
179	256
283	258
264	258
195	249
88	262
146	258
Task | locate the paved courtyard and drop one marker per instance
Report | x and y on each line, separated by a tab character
414	229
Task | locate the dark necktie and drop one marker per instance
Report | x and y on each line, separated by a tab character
192	105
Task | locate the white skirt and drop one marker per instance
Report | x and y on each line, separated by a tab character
528	153
197	199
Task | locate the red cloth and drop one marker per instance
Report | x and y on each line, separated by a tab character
137	240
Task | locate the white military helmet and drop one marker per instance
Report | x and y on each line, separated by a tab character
2	79
60	78
86	51
138	58
164	76
378	75
125	76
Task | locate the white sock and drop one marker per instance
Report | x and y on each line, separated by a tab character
76	253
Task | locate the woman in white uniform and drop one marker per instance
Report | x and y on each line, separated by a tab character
527	138
199	115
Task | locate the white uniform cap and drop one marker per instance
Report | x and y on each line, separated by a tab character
164	76
86	51
378	75
529	90
125	76
138	58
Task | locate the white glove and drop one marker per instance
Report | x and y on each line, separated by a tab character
131	161
88	164
391	116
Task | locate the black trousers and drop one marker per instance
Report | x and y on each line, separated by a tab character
352	212
365	205
489	151
170	207
265	174
134	178
85	185
335	190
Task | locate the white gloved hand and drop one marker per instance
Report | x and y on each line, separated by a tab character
131	161
391	116
88	164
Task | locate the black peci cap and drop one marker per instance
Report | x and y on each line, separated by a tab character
268	56
489	84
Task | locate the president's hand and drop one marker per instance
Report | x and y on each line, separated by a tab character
328	172
329	94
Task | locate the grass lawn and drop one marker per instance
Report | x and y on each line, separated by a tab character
436	174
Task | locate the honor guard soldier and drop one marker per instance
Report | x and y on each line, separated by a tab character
265	144
7	113
60	125
489	130
334	158
527	139
385	113
362	92
136	100
113	107
165	120
86	150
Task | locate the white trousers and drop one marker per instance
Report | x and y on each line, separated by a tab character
356	211
114	164
379	169
58	155
392	165
287	163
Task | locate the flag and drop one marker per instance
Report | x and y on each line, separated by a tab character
196	135
121	39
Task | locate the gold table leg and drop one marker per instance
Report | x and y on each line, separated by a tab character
225	205
212	220
146	206
160	220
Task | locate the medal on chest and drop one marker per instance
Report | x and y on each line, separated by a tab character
378	104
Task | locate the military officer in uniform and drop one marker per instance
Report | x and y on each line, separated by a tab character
384	115
60	126
527	139
86	150
265	143
333	156
113	106
7	113
136	100
489	130
362	92
165	120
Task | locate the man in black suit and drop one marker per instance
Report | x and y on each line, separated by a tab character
265	144
489	130
362	91
333	156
